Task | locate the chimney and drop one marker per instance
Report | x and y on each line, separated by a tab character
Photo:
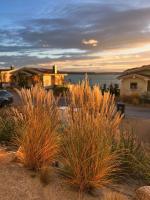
55	69
12	67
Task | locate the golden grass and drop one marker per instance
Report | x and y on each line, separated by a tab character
86	152
38	140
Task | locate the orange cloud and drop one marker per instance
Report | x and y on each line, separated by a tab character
90	42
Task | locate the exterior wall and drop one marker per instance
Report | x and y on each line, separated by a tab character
125	86
59	79
5	77
50	80
47	80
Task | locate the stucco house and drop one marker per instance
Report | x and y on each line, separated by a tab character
135	81
27	77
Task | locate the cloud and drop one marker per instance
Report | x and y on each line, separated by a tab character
90	42
116	30
115	24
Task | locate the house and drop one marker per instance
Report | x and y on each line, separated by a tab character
27	77
135	81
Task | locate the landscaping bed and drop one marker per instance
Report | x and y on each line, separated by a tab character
84	153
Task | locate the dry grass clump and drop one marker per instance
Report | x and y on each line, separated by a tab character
86	152
114	196
38	139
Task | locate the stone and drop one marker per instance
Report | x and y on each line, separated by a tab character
143	193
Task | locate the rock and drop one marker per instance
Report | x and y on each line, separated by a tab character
143	193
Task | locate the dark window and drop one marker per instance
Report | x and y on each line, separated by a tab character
148	86
133	86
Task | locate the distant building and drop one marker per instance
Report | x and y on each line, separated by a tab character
27	77
135	81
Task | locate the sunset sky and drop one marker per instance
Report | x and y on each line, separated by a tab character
87	35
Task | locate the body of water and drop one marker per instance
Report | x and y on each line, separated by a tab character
100	79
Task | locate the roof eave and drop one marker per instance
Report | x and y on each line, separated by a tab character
132	75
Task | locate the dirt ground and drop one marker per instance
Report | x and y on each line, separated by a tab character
18	183
141	127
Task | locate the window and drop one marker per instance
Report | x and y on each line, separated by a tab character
133	86
148	86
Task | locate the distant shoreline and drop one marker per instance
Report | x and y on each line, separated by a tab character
92	73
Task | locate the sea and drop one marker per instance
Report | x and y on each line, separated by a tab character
100	79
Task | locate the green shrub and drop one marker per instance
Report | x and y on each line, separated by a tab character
135	160
7	126
131	99
60	90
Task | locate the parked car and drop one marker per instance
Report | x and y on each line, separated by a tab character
6	98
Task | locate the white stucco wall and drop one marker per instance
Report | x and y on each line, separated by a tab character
125	86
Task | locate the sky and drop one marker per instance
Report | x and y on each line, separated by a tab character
76	35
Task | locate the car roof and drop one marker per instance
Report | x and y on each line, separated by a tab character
3	91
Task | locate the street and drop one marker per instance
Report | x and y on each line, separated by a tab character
137	112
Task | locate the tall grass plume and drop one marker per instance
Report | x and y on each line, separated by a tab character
86	152
38	140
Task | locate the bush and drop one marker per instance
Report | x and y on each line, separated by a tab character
60	90
131	99
86	151
135	160
7	126
39	141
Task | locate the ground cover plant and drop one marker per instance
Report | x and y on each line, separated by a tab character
135	159
7	126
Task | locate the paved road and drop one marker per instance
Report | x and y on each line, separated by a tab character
137	112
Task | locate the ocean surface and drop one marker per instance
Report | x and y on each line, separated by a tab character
100	79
